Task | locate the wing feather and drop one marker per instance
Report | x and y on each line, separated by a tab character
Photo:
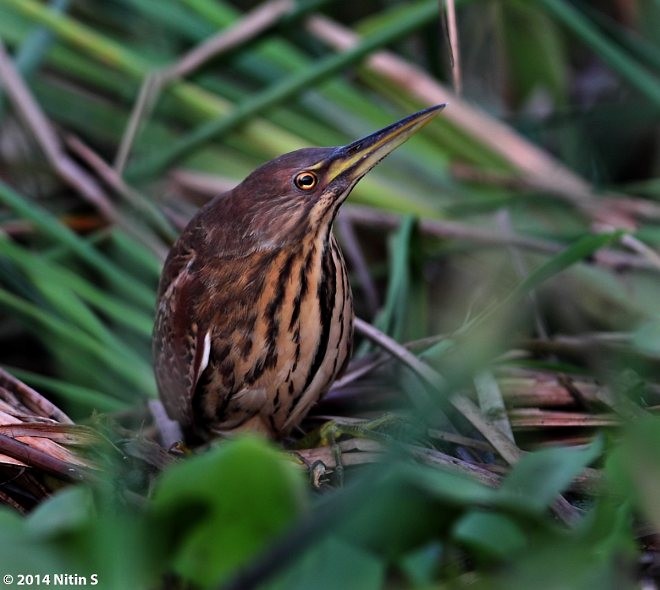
181	346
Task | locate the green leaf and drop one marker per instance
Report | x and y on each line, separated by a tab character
575	253
68	510
60	278
391	318
539	477
289	87
223	507
534	50
333	563
131	367
444	486
19	553
647	338
421	565
621	61
81	396
50	226
490	534
633	467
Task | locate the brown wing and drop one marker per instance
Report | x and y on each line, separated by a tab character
206	317
181	345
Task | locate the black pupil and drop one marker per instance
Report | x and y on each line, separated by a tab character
306	180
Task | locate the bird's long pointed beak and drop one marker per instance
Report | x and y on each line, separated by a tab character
356	159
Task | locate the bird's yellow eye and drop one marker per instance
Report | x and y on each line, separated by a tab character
306	181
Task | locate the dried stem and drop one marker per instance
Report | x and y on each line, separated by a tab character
491	401
485	236
499	440
247	28
21	396
28	455
535	166
509	451
211	185
117	183
35	119
64	166
454	46
641	248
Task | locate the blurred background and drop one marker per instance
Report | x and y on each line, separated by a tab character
512	247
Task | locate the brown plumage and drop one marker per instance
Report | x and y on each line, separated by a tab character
254	316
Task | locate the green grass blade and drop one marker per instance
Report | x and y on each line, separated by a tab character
83	396
60	277
51	227
124	363
392	317
32	51
415	17
577	252
619	60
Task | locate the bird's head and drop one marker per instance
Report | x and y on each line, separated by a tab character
302	190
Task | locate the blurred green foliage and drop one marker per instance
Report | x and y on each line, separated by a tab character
578	80
212	513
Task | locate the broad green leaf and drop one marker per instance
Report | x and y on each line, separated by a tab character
564	563
330	564
489	534
539	477
67	511
421	565
221	508
20	553
647	338
633	467
445	486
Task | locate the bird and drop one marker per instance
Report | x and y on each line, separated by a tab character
254	313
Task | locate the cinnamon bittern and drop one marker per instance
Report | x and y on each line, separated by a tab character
255	314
